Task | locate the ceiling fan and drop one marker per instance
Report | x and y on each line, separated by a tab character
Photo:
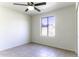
31	5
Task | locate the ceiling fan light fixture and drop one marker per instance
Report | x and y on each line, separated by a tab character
30	7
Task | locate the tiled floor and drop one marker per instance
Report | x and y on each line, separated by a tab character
36	50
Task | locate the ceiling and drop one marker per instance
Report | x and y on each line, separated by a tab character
50	6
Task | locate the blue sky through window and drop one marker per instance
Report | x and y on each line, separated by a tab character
44	21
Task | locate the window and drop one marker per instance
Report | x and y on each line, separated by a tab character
48	26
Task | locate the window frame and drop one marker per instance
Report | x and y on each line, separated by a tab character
47	25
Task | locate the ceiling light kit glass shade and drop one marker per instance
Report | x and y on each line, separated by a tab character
30	7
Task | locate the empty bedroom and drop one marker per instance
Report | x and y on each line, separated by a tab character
38	29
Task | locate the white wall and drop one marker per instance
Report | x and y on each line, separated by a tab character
65	29
14	28
78	25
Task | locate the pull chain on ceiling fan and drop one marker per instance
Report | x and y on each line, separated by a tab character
31	5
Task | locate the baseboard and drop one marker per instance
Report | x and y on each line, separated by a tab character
55	47
14	46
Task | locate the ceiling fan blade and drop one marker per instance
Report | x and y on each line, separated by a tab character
38	4
26	10
32	3
20	4
37	9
